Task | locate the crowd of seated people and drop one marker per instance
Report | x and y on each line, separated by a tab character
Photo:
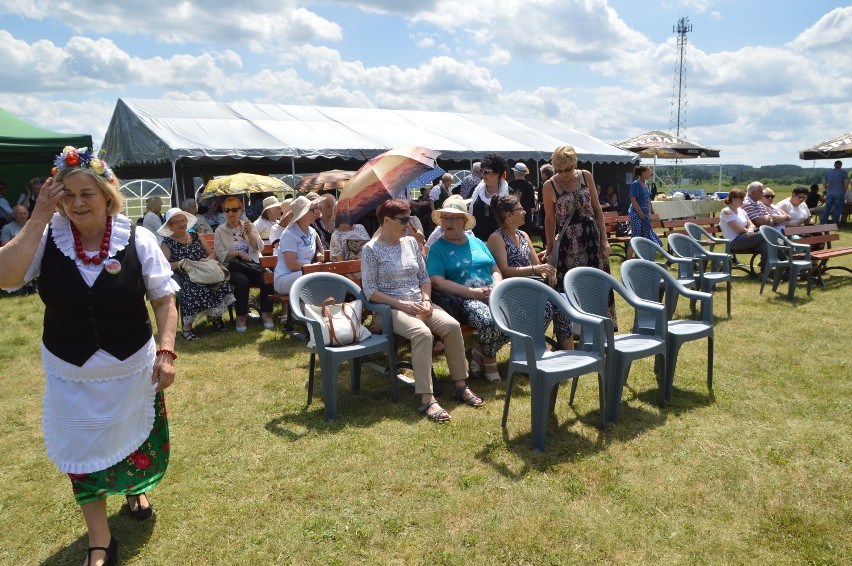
435	287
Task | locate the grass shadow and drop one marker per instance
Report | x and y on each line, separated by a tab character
565	442
132	536
683	400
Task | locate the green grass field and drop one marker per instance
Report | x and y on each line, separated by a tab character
758	472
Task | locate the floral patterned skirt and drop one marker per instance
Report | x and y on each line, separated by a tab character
139	472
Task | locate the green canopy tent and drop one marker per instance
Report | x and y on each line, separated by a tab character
27	151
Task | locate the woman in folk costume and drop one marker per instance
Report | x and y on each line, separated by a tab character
104	416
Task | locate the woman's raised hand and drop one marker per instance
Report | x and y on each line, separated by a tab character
48	197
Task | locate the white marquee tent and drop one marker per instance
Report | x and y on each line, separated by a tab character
167	135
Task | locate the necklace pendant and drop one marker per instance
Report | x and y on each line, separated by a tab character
112	266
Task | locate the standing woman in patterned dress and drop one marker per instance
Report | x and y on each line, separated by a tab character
570	197
640	205
104	418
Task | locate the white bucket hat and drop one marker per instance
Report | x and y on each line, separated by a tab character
165	231
300	207
455	204
270	202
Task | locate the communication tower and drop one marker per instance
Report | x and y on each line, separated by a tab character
677	120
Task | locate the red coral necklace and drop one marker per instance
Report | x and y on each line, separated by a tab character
103	254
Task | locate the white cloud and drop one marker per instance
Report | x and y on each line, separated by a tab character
262	24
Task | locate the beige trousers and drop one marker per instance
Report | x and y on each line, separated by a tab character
419	333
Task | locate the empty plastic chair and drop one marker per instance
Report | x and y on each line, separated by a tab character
517	305
702	236
587	290
778	246
643	277
648	250
705	262
313	289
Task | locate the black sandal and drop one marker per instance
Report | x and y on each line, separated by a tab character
441	416
220	325
111	558
189	335
140	512
472	400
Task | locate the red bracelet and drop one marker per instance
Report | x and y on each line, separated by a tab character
166	351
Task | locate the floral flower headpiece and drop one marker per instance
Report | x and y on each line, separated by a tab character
81	158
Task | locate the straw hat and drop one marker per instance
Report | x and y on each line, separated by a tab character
165	231
300	207
455	204
270	202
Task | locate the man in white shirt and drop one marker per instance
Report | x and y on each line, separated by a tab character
20	215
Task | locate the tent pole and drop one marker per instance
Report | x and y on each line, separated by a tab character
174	182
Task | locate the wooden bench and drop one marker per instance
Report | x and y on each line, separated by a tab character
820	234
612	220
710	223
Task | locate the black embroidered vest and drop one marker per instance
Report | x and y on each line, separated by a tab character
78	320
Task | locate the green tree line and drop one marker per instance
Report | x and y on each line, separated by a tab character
742	174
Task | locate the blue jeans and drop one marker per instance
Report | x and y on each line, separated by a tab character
835	203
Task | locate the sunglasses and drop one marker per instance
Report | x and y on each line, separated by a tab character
558	171
229	210
768	196
452	218
403	219
487	171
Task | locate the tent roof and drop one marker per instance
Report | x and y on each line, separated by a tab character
21	142
162	131
666	146
841	146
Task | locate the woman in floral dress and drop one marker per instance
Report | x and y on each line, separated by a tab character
195	298
570	196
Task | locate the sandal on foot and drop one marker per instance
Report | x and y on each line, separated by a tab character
189	335
140	512
474	360
220	325
472	400
490	373
111	552
440	415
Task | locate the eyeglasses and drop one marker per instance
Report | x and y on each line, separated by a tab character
402	219
558	171
229	210
517	209
768	196
487	171
315	209
452	218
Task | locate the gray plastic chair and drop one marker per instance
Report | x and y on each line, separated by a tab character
709	241
702	236
313	289
778	246
517	305
713	268
587	290
648	250
643	277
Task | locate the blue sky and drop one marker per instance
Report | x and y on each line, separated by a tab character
764	79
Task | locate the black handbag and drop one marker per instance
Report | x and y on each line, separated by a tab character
250	268
454	305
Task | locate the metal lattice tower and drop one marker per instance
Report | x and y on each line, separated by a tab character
677	120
